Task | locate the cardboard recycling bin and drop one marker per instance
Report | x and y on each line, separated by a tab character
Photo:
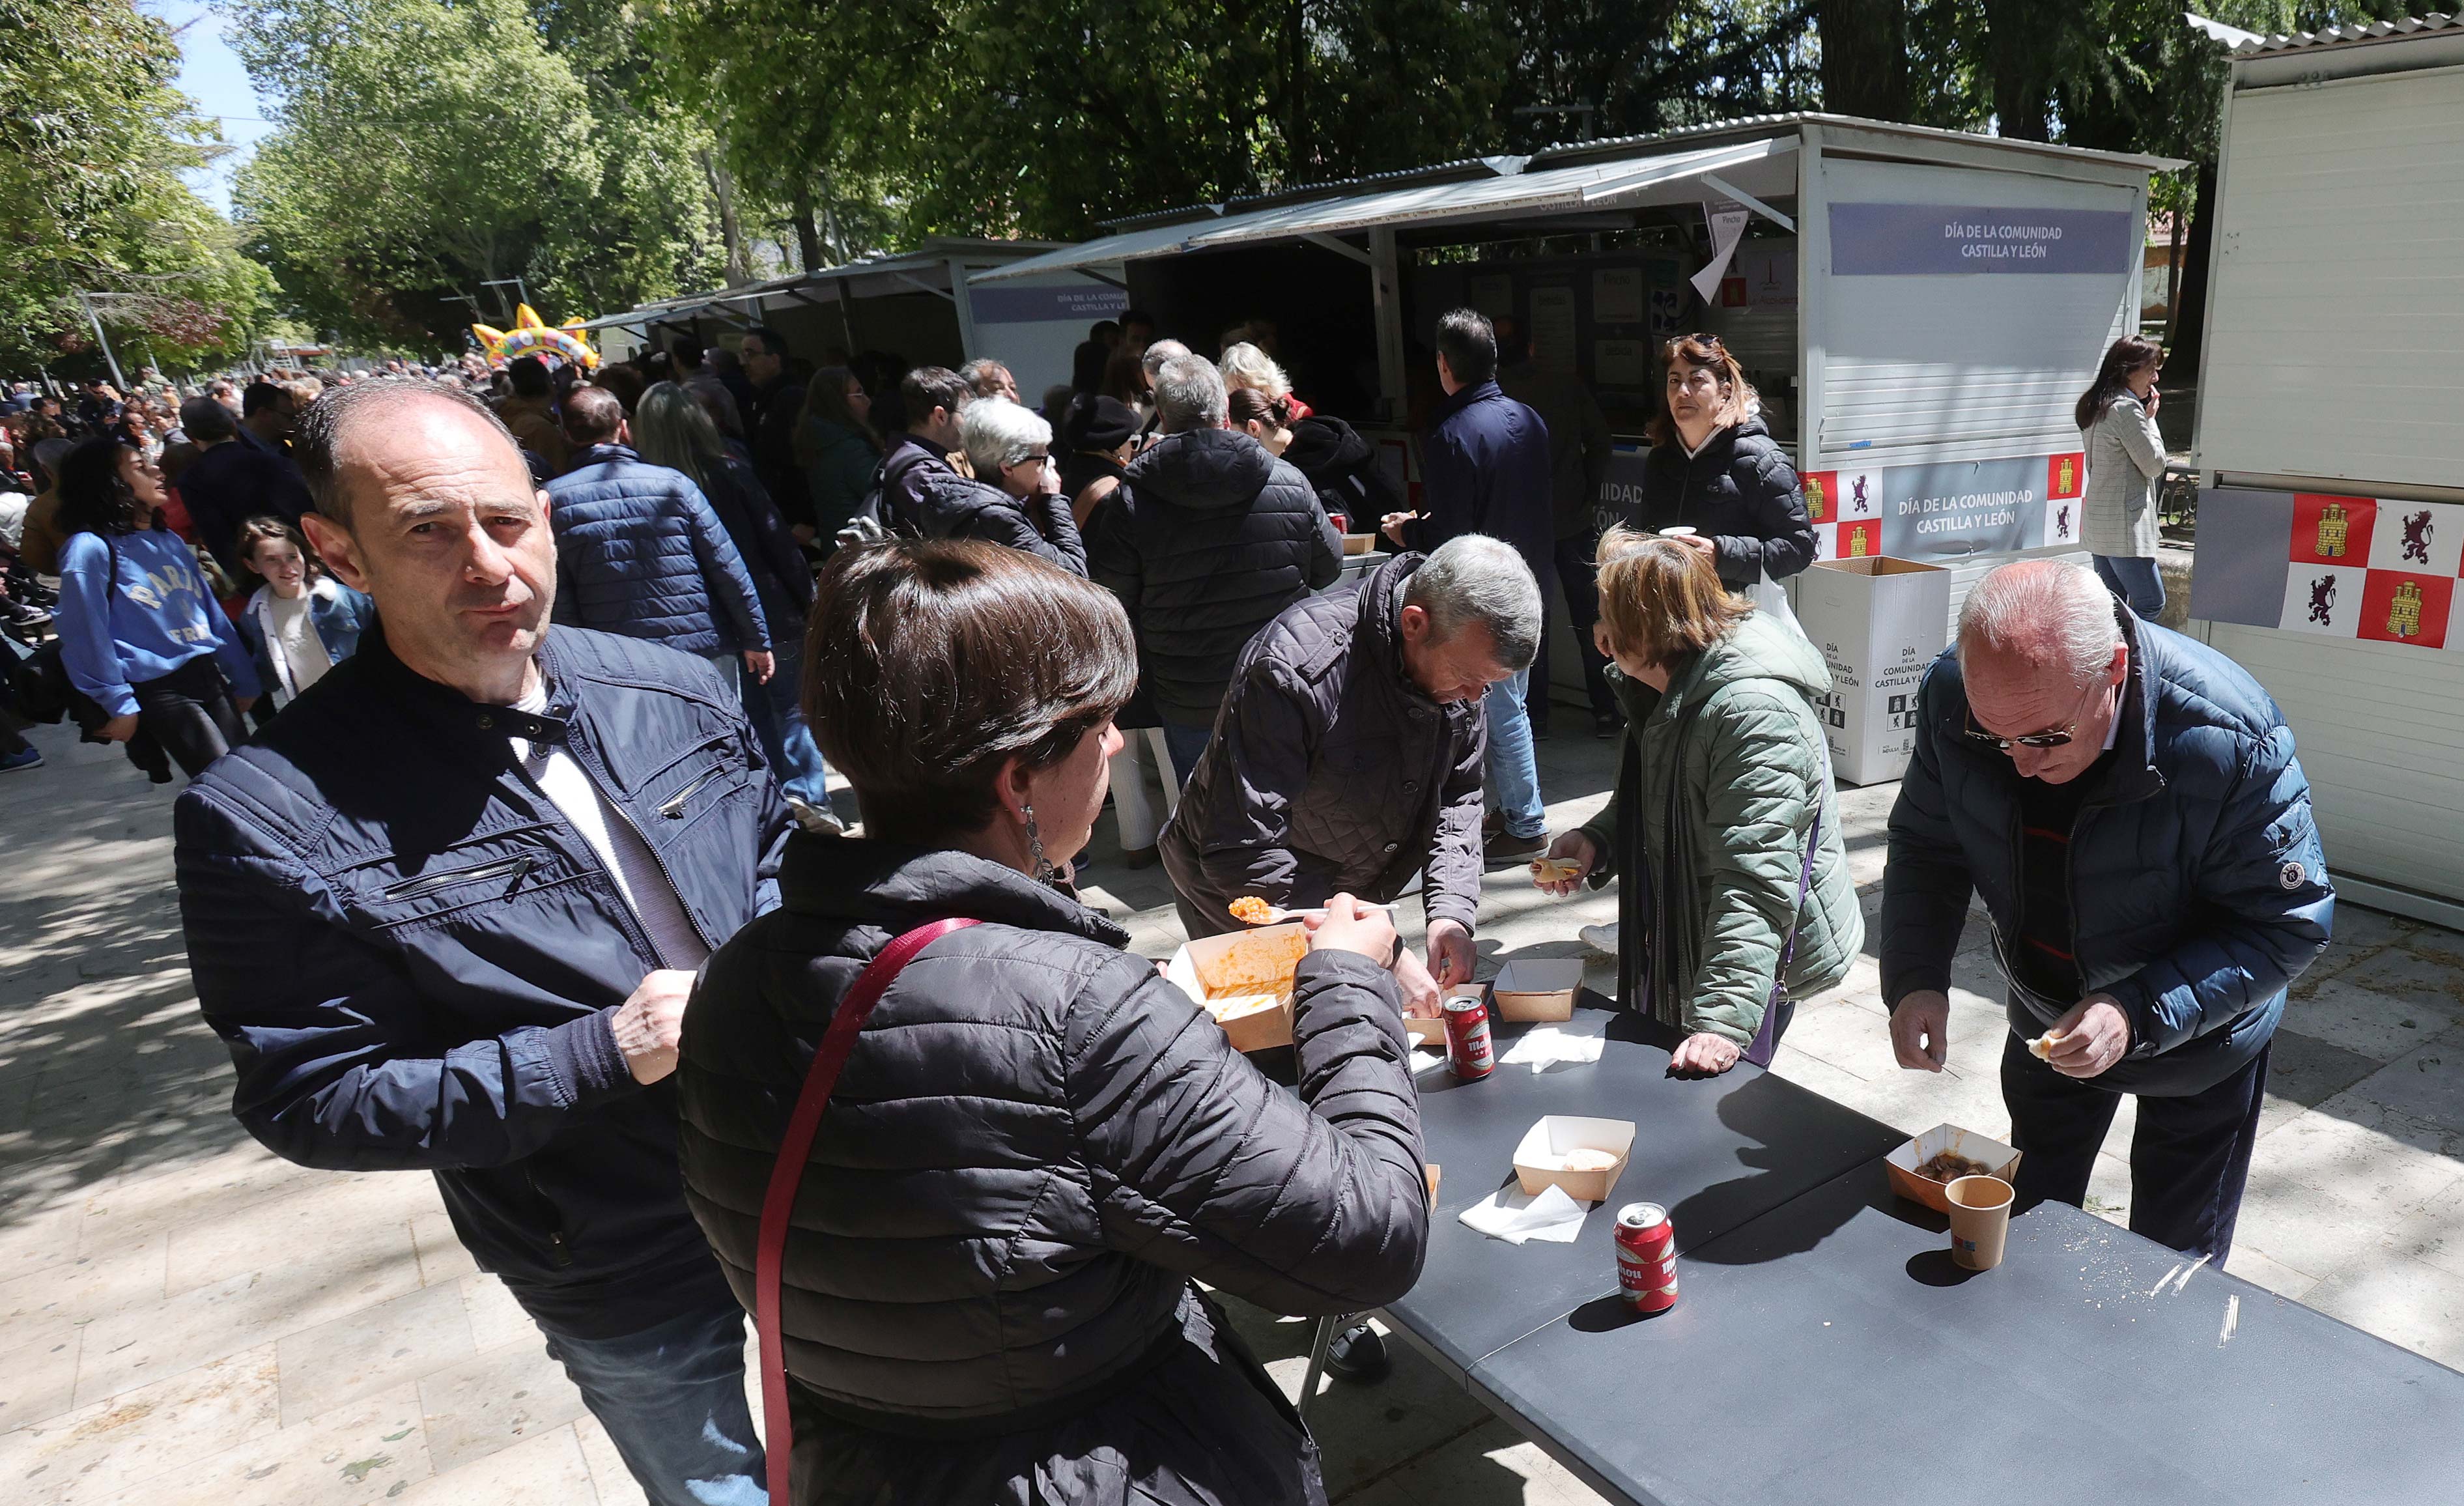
1879	622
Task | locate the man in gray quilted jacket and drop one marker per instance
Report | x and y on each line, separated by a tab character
1348	755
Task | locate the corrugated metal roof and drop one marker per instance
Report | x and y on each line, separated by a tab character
2349	36
1460	169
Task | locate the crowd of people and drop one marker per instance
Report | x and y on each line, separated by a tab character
511	702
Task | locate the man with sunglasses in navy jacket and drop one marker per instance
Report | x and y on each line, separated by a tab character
2127	804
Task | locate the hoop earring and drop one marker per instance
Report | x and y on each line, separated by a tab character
1044	872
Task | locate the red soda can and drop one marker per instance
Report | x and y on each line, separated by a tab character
1646	1254
1470	1050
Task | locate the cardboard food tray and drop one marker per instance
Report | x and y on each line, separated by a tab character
1194	970
1360	542
1426	1032
1537	988
1999	1159
1540	1160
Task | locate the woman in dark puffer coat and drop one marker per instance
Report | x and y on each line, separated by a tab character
1715	469
1037	1143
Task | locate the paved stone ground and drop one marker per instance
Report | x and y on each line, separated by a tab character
187	1320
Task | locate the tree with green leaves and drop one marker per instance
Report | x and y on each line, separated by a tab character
92	140
427	150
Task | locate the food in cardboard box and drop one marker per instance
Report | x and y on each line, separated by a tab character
1250	910
1232	1006
1260	963
1945	1166
1586	1159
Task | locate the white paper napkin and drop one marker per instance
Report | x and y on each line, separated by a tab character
1547	1045
1513	1215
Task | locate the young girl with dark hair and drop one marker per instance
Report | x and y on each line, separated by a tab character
141	636
302	621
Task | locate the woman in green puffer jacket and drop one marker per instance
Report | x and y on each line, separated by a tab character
1720	776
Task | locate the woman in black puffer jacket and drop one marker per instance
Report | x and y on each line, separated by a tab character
1715	469
1037	1143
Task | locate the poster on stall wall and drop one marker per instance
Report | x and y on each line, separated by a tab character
1552	327
1622	362
1766	275
1616	296
1728	220
1491	294
1938	513
2379	569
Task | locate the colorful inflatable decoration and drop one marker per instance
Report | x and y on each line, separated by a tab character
529	337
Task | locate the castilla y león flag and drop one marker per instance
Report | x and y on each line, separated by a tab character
2377	568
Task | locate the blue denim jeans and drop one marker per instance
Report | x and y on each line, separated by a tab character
777	712
1512	771
1186	745
672	1401
2136	582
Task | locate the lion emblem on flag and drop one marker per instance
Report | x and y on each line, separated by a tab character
2323	600
2416	537
1858	498
2062	522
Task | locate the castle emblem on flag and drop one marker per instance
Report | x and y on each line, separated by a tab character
2332	530
2322	592
1857	544
2069	477
2416	537
2403	612
1815	503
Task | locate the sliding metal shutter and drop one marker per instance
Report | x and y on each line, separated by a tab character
2336	340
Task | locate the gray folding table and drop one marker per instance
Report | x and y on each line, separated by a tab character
1829	1351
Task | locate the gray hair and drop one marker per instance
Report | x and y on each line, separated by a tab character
1189	395
1475	578
978	373
2048	614
326	423
997	432
1157	353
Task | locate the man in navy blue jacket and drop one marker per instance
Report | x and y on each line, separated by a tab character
640	552
446	910
232	480
2126	802
1485	468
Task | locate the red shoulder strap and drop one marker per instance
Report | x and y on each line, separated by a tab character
787	1174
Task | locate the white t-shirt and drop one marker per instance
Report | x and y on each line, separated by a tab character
295	641
627	859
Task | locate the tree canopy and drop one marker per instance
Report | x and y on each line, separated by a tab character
93	139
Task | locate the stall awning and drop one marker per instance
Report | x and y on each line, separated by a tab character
1520	196
1591	186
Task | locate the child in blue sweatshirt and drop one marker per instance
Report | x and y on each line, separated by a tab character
139	633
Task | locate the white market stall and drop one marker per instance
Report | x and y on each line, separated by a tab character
1921	308
2331	435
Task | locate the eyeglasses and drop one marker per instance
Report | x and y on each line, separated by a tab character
2057	737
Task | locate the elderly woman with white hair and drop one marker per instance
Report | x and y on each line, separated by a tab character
1246	366
1013	497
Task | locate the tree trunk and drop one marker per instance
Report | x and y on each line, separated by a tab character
2020	35
722	189
808	233
2189	320
1864	57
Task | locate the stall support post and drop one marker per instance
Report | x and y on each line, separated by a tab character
965	304
1386	292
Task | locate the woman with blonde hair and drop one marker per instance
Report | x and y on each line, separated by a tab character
1736	900
1245	365
1715	469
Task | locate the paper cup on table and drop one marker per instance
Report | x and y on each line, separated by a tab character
1980	1221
